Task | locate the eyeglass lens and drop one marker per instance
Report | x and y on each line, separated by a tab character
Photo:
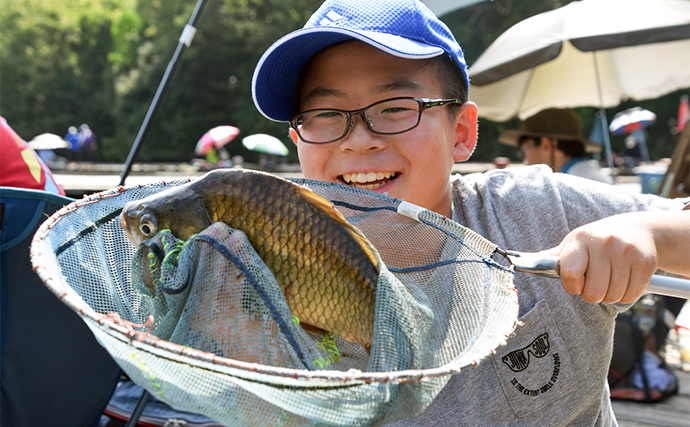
526	145
386	117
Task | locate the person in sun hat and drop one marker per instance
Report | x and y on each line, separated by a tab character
375	97
554	137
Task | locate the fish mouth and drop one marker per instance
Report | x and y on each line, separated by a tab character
369	180
124	223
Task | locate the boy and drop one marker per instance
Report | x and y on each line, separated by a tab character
376	96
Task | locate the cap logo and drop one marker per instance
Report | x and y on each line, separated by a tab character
332	19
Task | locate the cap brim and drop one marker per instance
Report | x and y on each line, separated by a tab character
513	136
274	85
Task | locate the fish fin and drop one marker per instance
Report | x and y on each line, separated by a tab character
328	206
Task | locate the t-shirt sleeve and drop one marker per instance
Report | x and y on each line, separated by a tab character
531	208
585	200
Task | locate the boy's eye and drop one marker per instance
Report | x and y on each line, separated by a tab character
395	110
327	114
323	118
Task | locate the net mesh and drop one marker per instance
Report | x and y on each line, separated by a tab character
203	326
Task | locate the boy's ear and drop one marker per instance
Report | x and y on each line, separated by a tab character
465	131
293	136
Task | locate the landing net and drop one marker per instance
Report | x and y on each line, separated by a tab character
204	327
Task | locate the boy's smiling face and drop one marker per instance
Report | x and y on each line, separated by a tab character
414	165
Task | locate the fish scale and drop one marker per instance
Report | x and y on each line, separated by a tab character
326	268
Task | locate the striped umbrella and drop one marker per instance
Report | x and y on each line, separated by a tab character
631	120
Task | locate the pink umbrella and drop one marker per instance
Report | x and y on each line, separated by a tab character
216	137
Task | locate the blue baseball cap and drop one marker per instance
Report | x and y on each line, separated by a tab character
403	28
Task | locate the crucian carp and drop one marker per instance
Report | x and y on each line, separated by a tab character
326	267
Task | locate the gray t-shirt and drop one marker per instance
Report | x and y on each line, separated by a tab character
553	370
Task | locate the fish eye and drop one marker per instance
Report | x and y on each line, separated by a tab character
147	225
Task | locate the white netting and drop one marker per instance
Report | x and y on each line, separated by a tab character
224	342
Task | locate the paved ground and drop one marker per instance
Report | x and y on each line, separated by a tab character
672	412
675	410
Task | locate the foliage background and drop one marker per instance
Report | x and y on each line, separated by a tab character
100	62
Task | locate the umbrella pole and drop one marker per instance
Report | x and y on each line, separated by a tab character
184	42
604	123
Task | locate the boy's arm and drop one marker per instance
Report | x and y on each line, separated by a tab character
612	260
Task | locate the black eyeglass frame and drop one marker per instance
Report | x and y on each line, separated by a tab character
424	103
521	154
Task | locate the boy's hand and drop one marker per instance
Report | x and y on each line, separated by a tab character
610	260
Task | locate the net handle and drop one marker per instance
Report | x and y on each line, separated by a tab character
548	266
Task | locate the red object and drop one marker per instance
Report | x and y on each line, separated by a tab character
501	162
20	166
683	113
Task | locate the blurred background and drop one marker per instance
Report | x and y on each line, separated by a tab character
99	62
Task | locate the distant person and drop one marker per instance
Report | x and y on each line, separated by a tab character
20	166
554	137
74	149
635	151
87	143
47	156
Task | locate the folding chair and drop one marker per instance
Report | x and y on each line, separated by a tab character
53	372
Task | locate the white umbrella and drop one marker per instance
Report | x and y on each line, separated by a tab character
48	141
439	7
633	49
265	144
590	52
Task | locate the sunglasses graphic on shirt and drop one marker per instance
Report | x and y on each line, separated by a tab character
518	360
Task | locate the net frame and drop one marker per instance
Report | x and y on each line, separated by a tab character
113	333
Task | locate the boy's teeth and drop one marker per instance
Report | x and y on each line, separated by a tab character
363	178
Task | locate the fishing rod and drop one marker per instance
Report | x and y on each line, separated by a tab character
184	42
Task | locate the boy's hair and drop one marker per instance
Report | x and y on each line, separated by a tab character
403	28
452	80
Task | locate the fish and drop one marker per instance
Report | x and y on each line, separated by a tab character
326	267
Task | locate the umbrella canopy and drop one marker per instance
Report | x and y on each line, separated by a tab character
587	53
631	120
440	7
265	144
216	138
48	141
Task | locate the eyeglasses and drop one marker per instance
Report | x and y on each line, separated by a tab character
387	117
526	145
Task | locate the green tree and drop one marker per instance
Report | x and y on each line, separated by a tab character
101	61
213	84
54	65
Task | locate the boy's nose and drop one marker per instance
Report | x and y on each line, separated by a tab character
360	138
